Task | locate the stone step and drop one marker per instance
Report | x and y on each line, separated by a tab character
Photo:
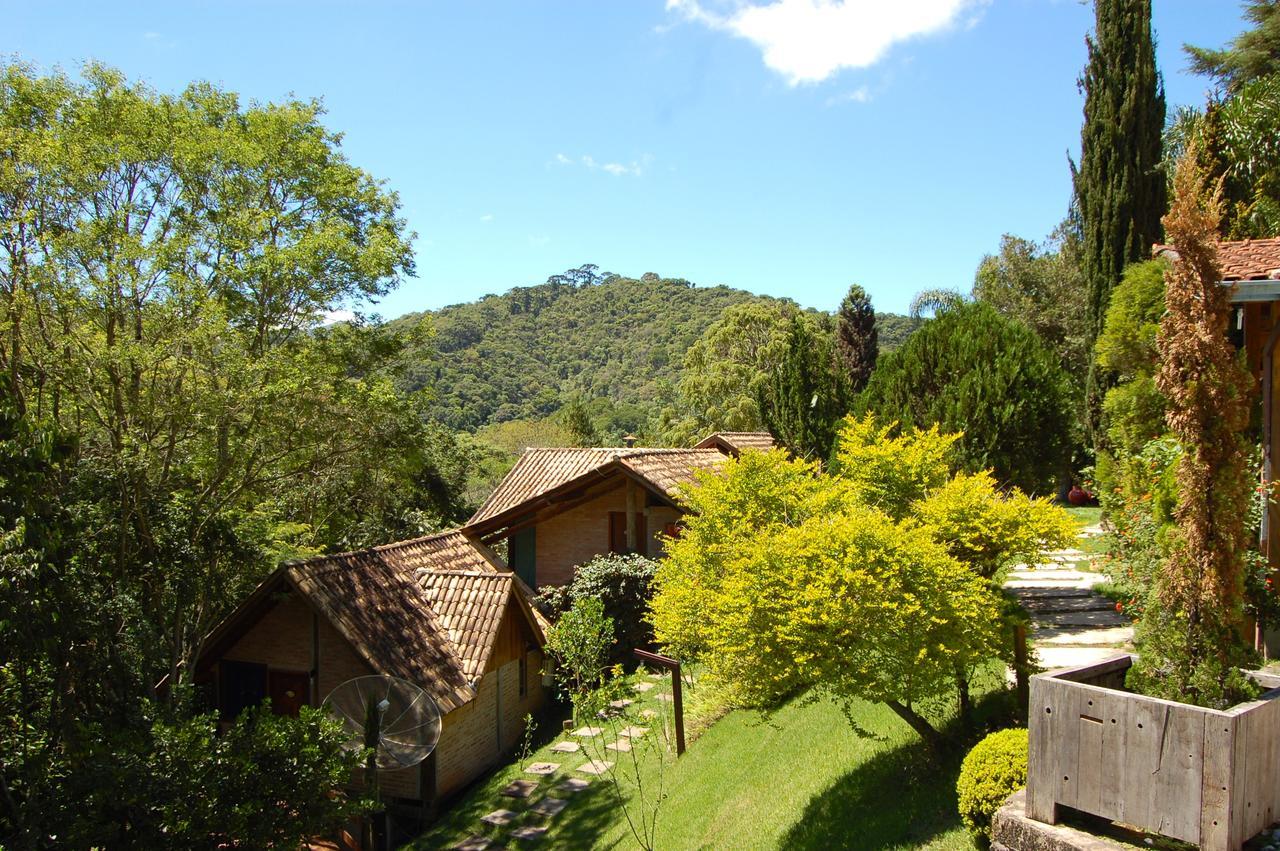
1046	574
1051	658
1091	619
1083	583
1114	636
1035	593
1090	603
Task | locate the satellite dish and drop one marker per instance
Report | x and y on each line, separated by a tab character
395	718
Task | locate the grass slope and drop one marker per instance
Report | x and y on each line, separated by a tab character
801	778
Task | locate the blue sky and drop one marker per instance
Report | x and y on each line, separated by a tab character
789	147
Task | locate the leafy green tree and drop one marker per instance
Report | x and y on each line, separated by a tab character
1118	186
623	584
576	417
579	643
1189	637
784	581
805	392
974	371
1040	286
724	370
1253	54
856	337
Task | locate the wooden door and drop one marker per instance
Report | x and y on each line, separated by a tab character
289	691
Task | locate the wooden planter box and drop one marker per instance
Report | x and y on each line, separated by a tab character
1200	775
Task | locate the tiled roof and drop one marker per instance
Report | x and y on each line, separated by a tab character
470	605
736	441
426	610
541	472
1241	260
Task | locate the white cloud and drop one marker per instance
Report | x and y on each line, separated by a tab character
635	168
862	94
487	217
808	41
538	241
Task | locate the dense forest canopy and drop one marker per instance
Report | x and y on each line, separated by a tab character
583	334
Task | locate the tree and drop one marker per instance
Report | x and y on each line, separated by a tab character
576	418
724	369
783	582
971	370
1189	638
1040	286
579	642
856	337
1253	54
805	392
623	584
1118	186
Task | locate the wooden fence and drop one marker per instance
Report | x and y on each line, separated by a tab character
1200	775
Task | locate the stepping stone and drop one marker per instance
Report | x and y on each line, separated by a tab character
520	788
474	843
634	732
666	697
655	675
622	746
1116	636
1095	619
643	686
588	732
528	832
573	785
499	818
566	747
542	769
549	807
1044	604
1027	594
619	704
1052	658
648	713
595	766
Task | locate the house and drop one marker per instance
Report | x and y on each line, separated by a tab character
559	508
441	611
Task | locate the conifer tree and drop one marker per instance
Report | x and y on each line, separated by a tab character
806	392
1119	187
1190	646
857	339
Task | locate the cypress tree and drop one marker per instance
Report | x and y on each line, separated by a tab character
857	340
1119	186
806	392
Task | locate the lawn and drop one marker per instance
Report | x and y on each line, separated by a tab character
801	778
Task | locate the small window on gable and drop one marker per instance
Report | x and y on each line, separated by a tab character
524	673
241	685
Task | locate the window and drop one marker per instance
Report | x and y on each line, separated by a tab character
522	551
241	685
618	533
524	673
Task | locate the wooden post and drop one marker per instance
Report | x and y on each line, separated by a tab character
677	696
1021	670
631	516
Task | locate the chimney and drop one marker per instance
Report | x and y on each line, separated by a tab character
629	440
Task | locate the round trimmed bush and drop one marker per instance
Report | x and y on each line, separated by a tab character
993	770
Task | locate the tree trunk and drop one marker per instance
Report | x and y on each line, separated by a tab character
932	738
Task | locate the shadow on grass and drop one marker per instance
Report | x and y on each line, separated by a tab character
900	797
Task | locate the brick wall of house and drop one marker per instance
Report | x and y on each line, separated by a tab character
581	533
469	740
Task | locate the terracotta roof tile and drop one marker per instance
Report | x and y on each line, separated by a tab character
1241	260
426	610
736	441
540	472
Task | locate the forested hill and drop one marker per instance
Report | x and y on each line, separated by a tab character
521	354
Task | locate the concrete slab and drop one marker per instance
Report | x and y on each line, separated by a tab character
1093	619
474	843
648	714
595	767
622	746
566	747
528	833
543	769
633	732
1074	603
549	807
620	704
1116	636
1051	658
520	788
587	732
666	697
643	687
500	818
573	785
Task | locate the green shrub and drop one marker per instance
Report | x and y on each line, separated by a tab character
993	770
623	584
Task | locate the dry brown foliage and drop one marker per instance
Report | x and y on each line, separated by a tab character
1209	392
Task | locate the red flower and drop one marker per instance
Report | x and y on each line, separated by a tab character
1119	607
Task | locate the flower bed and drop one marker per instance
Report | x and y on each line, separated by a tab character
1200	775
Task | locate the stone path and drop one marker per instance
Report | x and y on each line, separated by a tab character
1071	623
